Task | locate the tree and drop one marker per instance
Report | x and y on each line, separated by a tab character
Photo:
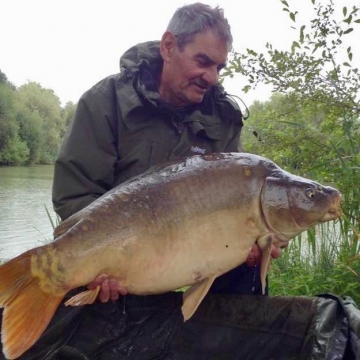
12	149
30	132
317	71
32	123
299	138
3	78
312	128
317	66
40	120
67	113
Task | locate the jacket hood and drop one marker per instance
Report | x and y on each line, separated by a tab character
141	54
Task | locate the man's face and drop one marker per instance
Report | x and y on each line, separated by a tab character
189	73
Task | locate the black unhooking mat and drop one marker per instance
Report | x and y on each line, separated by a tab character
224	327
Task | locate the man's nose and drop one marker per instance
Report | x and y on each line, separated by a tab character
211	76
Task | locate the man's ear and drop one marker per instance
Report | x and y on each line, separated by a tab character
168	45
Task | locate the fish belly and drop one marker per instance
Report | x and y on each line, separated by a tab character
204	246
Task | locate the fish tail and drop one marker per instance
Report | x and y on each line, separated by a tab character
27	308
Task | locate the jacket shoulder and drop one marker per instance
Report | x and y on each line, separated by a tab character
106	85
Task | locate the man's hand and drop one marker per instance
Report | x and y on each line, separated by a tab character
111	288
254	257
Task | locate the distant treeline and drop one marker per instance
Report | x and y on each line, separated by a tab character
32	123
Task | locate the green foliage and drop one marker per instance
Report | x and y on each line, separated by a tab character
310	126
67	113
12	149
54	223
326	262
41	121
311	139
313	128
4	81
32	123
317	66
3	78
30	132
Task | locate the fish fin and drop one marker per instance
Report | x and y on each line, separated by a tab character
27	309
194	295
65	225
14	273
84	298
265	244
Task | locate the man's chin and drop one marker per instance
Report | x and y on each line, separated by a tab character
196	98
191	99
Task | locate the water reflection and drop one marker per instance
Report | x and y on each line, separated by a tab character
24	193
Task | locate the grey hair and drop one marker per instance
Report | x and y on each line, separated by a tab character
189	20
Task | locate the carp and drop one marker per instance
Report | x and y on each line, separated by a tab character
180	224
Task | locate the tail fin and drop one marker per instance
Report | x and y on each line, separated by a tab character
28	309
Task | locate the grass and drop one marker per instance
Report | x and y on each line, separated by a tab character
326	259
54	223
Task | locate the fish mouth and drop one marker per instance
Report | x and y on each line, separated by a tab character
334	211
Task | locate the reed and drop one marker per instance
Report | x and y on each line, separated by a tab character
325	259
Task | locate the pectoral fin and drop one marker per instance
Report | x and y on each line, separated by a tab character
83	298
265	245
194	295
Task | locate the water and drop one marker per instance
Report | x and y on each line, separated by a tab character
24	223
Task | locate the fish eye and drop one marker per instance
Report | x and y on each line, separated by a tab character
310	193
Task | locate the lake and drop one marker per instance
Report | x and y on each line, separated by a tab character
24	194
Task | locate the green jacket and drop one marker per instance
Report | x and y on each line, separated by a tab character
122	127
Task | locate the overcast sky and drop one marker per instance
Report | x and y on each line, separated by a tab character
69	45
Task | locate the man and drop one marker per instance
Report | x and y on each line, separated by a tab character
165	104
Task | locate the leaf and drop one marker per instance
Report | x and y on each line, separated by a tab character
348	20
346	64
357	21
302	33
344	10
246	88
348	31
292	16
295	44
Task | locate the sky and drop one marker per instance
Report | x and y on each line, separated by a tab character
69	45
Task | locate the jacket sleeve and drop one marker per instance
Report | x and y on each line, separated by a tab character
84	167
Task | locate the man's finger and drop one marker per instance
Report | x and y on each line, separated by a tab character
114	289
104	294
